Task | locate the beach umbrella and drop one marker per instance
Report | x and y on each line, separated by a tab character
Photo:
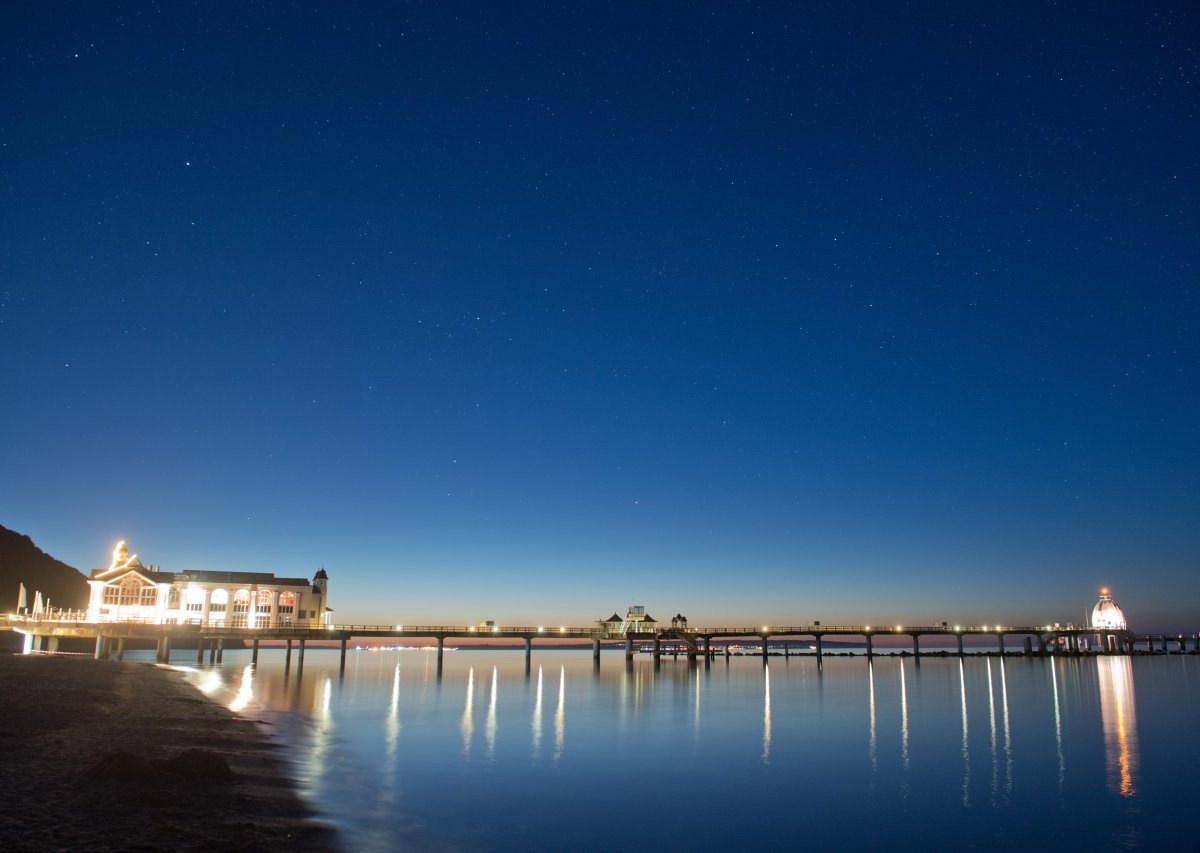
20	597
37	604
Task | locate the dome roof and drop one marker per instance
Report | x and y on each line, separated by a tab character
1106	613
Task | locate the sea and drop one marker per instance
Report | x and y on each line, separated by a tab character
842	753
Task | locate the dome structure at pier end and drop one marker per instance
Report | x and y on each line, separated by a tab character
1107	614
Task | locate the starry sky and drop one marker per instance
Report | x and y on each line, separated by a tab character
759	313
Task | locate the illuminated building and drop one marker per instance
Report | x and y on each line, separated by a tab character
129	591
1106	615
636	621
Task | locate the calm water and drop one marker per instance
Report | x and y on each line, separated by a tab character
983	753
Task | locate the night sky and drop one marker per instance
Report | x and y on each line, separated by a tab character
851	312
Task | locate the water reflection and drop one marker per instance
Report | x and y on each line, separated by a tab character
245	691
537	719
490	726
871	742
635	711
1058	740
992	728
392	724
966	753
560	715
322	734
1007	732
903	718
1119	718
468	720
766	739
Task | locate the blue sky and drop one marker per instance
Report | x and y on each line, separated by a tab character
758	315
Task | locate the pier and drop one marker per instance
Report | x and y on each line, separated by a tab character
44	634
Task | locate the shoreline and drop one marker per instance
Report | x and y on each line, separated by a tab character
94	758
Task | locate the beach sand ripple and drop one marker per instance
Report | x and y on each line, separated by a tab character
104	755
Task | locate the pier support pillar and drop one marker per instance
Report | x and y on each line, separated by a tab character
1196	644
708	646
99	646
916	645
221	651
300	656
121	648
441	651
958	637
27	645
287	657
52	644
657	648
820	648
342	663
1000	643
199	651
870	645
628	649
596	650
212	650
1029	647
764	639
254	652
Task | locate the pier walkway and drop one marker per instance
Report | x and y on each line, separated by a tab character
44	633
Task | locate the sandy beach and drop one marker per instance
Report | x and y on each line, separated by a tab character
102	755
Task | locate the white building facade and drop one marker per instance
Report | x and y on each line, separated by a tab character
129	591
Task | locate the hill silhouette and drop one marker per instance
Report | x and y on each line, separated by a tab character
23	562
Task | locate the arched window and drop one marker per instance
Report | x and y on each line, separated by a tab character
287	608
241	606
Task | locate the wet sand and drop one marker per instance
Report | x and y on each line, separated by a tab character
91	761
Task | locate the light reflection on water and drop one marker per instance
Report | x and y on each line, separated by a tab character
636	743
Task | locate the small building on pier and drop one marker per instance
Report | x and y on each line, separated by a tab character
1106	615
636	621
130	591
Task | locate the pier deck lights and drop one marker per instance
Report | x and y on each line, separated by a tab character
495	628
899	627
541	629
562	629
958	629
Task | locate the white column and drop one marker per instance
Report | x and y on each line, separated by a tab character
207	605
160	602
274	623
